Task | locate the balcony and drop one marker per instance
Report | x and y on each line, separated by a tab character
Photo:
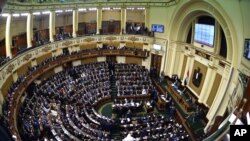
29	5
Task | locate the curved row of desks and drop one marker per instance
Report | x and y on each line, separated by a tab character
63	59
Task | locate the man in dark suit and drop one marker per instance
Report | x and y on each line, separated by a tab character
197	77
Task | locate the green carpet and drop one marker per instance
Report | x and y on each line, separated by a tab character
106	110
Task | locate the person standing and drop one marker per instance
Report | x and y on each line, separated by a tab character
197	77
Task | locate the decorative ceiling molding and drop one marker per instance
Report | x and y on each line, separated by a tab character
67	43
16	5
89	39
133	38
27	57
10	68
46	49
111	38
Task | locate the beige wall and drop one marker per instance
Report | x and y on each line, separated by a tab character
135	16
120	59
58	69
57	52
101	59
64	19
133	60
161	15
111	15
244	4
183	67
18	25
2	27
80	17
76	63
41	22
214	90
87	17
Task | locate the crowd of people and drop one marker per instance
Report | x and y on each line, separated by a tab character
124	107
9	99
153	127
63	36
133	28
61	107
132	79
61	94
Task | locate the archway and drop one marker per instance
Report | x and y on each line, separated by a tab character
188	11
180	23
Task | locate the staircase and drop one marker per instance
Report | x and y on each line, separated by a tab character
112	80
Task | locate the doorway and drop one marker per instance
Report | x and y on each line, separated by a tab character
156	64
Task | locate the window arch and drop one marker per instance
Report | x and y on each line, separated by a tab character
189	11
218	37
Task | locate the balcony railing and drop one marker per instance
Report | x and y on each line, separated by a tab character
33	5
16	4
89	1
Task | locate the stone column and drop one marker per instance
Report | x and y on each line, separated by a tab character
75	23
123	19
189	66
208	84
171	57
29	29
98	20
221	99
174	57
147	18
8	37
52	29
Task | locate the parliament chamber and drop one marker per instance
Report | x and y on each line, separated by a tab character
168	70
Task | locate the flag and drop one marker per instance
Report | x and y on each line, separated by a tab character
186	79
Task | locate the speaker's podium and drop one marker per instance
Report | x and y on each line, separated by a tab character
161	103
177	95
163	100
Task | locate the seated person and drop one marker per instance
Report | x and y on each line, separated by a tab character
183	91
129	137
144	91
161	76
174	78
176	85
190	100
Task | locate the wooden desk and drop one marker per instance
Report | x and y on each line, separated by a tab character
177	97
161	104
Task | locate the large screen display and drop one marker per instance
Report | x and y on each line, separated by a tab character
204	34
246	53
157	28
